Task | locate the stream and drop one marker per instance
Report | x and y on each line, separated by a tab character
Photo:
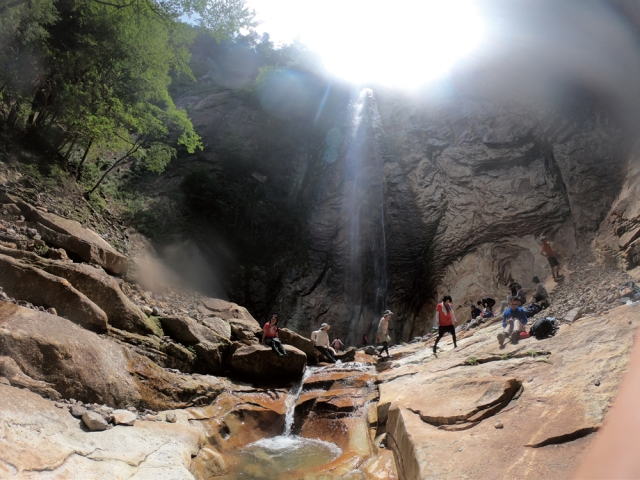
286	454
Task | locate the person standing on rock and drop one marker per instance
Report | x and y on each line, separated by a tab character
320	339
382	336
547	251
337	344
270	336
513	322
445	321
541	292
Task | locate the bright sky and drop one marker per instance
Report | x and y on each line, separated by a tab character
403	42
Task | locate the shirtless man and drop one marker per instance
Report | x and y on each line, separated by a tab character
547	251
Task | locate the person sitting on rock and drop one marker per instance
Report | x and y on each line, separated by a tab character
382	336
541	292
475	310
445	321
513	322
488	303
320	339
521	295
270	336
547	251
337	344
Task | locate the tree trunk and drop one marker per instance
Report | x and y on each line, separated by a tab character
120	161
84	157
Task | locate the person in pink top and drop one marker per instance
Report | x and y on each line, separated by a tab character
270	336
445	320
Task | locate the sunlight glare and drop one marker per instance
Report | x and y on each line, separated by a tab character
402	43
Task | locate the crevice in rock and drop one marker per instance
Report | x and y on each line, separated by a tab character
566	438
475	416
499	358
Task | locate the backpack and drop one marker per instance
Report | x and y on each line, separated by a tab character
531	309
542	328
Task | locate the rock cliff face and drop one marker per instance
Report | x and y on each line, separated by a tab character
469	186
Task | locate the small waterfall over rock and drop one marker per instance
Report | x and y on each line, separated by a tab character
291	401
366	277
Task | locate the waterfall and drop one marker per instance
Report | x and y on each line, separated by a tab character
366	277
290	403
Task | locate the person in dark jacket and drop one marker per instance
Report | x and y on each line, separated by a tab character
475	310
513	322
488	303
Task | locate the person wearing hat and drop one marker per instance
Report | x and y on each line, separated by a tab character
541	292
383	335
320	339
270	336
547	251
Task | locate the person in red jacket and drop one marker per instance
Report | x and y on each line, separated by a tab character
445	320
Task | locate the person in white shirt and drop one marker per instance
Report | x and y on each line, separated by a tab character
383	333
320	339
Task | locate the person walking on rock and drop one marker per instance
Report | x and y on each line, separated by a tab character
541	292
445	320
383	333
320	339
547	251
513	322
337	344
270	336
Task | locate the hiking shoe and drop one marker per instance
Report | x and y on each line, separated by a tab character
515	336
501	338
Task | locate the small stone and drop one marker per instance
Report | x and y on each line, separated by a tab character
146	310
171	417
123	417
77	410
498	424
156	311
597	383
105	410
52	311
94	421
59	405
152	418
132	409
530	379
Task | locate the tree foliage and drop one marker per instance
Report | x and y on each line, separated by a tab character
94	74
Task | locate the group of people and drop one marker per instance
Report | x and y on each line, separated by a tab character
513	321
320	339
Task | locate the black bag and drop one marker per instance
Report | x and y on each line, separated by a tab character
542	328
531	309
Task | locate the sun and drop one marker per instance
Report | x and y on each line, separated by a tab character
400	43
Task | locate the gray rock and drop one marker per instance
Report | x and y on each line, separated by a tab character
498	424
171	417
123	417
94	421
77	410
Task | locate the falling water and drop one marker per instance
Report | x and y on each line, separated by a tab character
290	403
366	280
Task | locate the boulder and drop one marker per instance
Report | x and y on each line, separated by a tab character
41	441
10	370
123	417
214	355
94	421
43	289
188	331
290	337
243	326
261	362
348	355
97	285
77	363
218	325
73	237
